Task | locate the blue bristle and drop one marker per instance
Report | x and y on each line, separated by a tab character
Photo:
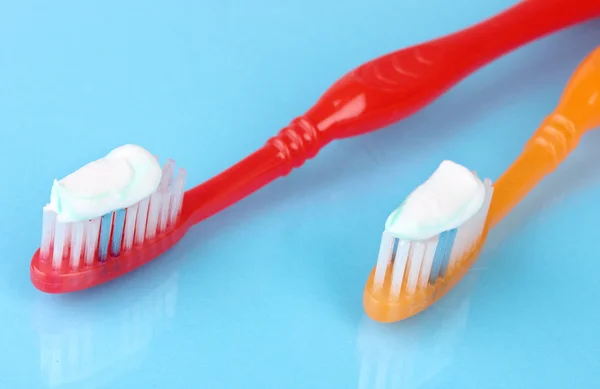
117	236
442	255
105	228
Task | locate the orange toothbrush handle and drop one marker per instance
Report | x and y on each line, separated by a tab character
578	111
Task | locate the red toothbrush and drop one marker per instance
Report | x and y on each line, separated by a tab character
372	96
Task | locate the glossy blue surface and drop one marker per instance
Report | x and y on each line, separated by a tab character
268	294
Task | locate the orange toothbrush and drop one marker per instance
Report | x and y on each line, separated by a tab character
412	275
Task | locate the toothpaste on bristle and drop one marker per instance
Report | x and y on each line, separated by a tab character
432	231
125	176
451	196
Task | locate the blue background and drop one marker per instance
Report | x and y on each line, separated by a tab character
268	293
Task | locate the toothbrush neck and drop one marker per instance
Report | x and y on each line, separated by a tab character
548	147
289	149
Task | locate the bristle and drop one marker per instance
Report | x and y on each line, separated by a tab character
48	223
92	230
417	250
442	255
59	244
428	257
165	189
167	176
76	244
163	218
401	258
159	202
129	233
142	218
177	197
117	231
385	257
153	212
417	264
68	230
105	230
117	234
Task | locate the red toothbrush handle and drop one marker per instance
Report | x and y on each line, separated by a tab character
384	91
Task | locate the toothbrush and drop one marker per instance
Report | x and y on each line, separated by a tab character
409	281
374	95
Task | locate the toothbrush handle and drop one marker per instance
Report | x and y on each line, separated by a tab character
578	111
383	91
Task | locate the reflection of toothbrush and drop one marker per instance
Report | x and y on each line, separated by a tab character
372	96
394	292
412	355
76	347
417	354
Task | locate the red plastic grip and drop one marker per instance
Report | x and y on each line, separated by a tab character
384	91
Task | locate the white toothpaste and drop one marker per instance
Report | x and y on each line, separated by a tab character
450	197
125	176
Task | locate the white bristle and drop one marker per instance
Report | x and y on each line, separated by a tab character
153	212
106	227
60	231
68	229
48	223
428	255
177	197
163	218
76	244
92	233
415	264
129	232
385	257
167	175
116	243
140	222
400	259
165	190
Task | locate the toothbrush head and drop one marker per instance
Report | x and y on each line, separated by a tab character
412	275
78	255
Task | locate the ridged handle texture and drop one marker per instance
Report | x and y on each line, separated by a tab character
577	112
